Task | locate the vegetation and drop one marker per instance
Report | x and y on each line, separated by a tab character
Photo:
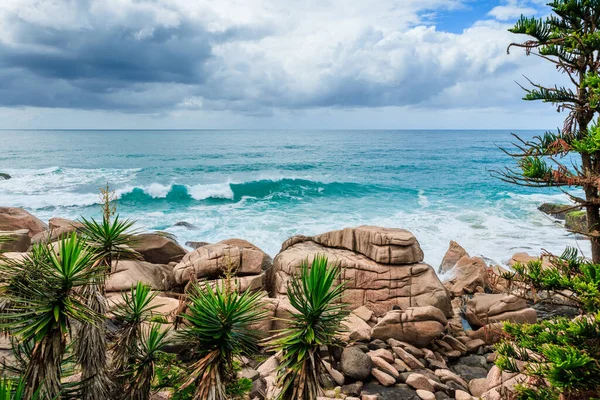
143	363
13	390
570	40
560	357
131	314
43	302
316	294
219	327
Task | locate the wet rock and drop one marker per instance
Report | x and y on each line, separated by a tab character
454	253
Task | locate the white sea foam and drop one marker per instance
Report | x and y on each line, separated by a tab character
215	191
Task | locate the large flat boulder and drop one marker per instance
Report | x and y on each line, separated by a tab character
382	245
14	219
246	261
484	309
418	326
129	272
157	249
378	286
58	228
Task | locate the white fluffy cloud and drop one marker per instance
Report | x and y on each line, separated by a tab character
255	57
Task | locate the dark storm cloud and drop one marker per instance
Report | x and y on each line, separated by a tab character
157	58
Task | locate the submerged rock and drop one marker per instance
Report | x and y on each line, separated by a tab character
185	225
4	176
558	211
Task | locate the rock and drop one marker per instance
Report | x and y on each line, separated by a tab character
195	245
269	366
185	224
382	245
483	309
129	272
474	345
501	384
381	266
211	260
4	176
409	359
454	253
385	366
270	306
576	221
470	274
396	392
455	343
383	378
18	241
446	375
157	248
377	344
363	313
558	211
14	219
416	325
418	381
461	395
337	376
352	389
469	372
425	395
381	353
415	351
478	386
355	363
524	258
356	329
58	228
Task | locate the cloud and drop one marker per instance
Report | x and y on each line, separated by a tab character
513	9
252	57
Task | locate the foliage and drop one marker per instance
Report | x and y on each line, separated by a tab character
219	329
14	390
131	314
570	40
43	294
560	357
316	295
146	356
109	239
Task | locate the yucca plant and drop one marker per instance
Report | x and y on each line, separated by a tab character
316	294
147	354
108	240
43	302
219	330
132	313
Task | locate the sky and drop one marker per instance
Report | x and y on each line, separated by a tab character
268	64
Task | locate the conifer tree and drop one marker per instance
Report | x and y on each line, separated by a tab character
570	40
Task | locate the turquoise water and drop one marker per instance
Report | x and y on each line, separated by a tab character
265	186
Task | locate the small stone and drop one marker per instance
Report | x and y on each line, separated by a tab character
474	345
369	397
363	313
382	353
478	386
352	389
453	354
401	365
248	373
377	344
446	375
461	395
383	378
418	381
385	366
455	343
425	395
409	359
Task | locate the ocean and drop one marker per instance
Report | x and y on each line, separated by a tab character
265	186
